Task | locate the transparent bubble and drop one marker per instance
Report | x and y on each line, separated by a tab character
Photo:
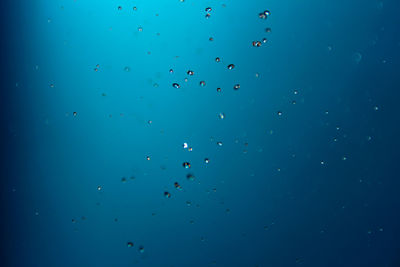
177	186
129	244
190	72
186	165
74	113
264	40
99	188
256	43
356	57
127	69
208	9
279	113
219	143
268	29
218	89
134	8
190	177
202	83
296	92
376	108
206	160
120	8
140	29
231	66
141	249
267	13
217	59
221	115
171	71
148	158
167	194
236	86
176	85
208	15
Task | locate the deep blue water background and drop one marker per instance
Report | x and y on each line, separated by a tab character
265	198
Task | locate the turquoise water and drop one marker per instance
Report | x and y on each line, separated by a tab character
126	142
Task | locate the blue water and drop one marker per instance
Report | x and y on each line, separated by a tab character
298	167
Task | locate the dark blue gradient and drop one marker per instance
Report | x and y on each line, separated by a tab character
92	133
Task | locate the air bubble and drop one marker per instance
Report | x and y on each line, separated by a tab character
256	43
190	177
141	249
177	186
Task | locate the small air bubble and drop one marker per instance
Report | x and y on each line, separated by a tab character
256	43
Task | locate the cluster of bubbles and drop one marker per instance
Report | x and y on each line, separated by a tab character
189	72
263	15
208	10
